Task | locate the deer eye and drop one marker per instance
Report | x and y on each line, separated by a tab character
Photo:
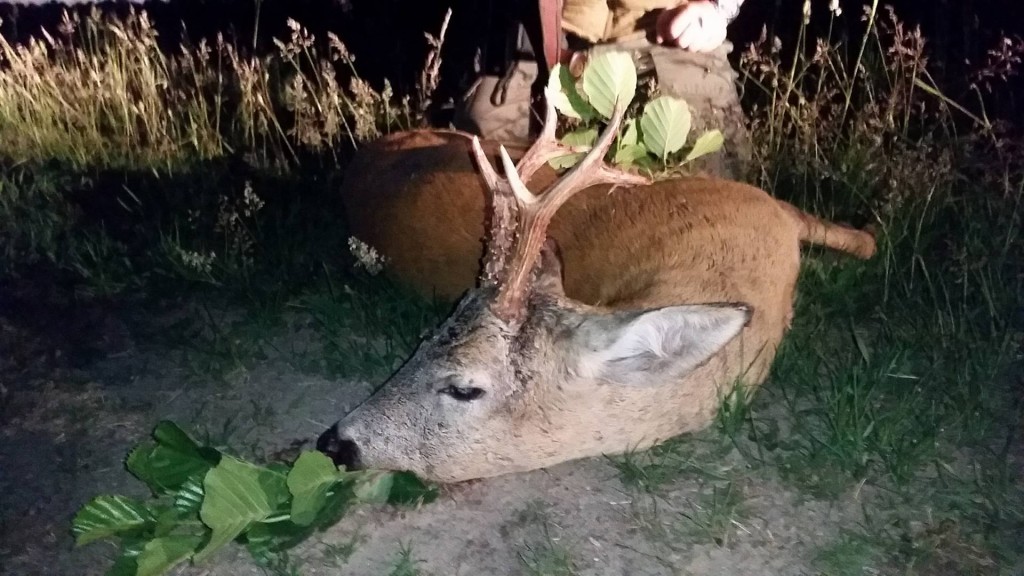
462	393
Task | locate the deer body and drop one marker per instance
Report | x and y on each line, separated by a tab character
664	297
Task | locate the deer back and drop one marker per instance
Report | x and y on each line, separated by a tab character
417	198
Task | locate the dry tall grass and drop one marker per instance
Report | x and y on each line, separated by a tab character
868	115
101	92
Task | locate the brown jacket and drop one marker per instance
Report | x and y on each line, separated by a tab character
606	20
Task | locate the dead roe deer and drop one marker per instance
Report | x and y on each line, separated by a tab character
645	306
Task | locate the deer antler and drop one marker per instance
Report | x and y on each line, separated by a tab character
513	250
545	148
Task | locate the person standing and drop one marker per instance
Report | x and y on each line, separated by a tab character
681	43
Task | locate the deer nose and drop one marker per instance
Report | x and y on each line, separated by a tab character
342	451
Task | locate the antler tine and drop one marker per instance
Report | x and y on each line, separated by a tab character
550	120
515	182
491	178
591	169
504	213
545	148
535	216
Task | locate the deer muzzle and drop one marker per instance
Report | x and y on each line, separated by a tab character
342	451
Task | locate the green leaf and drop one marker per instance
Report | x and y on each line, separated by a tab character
630	133
628	148
125	565
161	554
105	516
169	520
646	163
309	480
175	457
708	142
581	137
237	494
609	77
167	433
561	91
630	155
407	489
338	502
666	124
189	498
265	539
373	486
556	92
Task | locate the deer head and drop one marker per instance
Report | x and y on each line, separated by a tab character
521	377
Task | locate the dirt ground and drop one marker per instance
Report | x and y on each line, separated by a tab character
73	406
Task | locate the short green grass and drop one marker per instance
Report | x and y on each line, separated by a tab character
899	380
369	325
339	554
544	550
548	558
406	563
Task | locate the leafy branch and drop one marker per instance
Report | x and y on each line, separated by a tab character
655	142
204	499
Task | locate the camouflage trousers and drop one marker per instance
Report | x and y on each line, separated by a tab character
498	107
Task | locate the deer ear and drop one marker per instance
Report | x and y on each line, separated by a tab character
548	278
636	348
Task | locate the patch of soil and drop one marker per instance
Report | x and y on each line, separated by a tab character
65	431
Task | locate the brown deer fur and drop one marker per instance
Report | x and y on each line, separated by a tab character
417	197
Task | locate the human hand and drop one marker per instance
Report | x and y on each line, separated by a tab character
696	26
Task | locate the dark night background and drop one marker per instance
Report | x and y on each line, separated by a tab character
387	39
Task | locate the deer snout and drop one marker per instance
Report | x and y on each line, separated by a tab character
342	451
